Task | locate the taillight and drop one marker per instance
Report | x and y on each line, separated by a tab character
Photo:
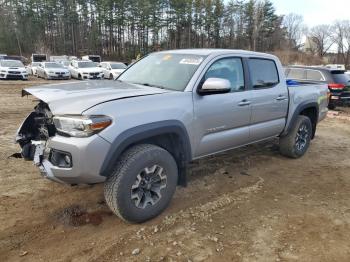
336	86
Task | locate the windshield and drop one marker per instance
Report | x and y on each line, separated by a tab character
11	63
53	65
165	70
341	77
118	66
86	64
35	64
65	63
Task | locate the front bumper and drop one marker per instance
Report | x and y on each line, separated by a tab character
93	76
14	76
87	156
59	76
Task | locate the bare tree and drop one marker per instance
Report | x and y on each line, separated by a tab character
295	28
341	36
322	38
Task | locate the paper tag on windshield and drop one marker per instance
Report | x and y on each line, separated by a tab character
191	61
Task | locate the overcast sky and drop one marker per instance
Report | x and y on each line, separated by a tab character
315	12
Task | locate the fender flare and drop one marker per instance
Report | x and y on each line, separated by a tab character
297	111
139	133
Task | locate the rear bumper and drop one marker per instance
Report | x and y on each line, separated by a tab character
87	156
343	99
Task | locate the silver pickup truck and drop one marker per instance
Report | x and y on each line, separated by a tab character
137	134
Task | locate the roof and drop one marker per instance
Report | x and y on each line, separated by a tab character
216	51
116	62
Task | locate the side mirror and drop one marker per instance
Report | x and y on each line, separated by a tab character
215	86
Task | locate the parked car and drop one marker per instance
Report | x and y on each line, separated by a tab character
31	68
65	63
112	70
338	82
52	70
93	58
39	57
58	58
12	69
138	134
80	69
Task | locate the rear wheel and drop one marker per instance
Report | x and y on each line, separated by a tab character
296	143
331	106
143	183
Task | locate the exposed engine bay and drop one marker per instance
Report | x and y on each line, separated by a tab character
37	128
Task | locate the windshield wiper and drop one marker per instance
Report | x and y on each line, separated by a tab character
148	84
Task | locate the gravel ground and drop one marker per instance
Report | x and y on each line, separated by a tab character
249	204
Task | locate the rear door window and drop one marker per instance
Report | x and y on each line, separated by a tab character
296	73
340	77
263	72
314	75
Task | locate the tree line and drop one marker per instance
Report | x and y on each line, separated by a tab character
127	28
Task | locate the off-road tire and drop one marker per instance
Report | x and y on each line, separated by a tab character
117	188
288	143
331	106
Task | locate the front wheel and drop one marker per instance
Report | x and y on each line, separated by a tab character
142	184
296	143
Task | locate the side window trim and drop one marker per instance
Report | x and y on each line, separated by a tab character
251	87
216	59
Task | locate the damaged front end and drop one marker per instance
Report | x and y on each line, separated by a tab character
34	132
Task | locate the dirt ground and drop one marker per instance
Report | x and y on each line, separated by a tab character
249	204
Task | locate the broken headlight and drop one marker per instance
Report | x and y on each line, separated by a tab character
81	126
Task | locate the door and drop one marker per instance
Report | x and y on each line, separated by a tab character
222	120
104	70
269	99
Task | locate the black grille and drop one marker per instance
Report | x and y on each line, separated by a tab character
14	77
94	74
14	72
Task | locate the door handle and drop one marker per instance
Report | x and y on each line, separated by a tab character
281	98
244	102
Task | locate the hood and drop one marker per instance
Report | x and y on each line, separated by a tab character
76	97
13	68
56	70
90	70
